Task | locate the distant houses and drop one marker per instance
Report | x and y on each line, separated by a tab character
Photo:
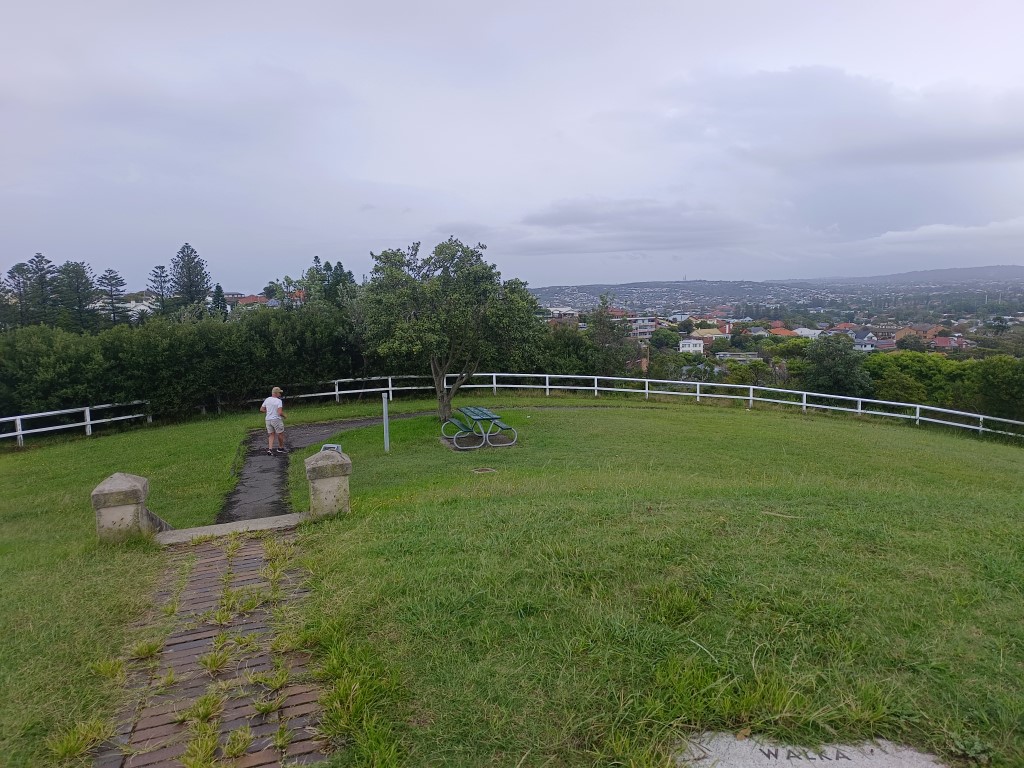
925	331
715	326
251	300
808	333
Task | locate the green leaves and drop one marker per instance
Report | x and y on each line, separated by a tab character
833	366
448	311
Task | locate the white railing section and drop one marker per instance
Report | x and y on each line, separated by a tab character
697	390
595	385
864	406
388	385
88	422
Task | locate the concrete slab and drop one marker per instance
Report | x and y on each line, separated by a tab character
185	535
724	750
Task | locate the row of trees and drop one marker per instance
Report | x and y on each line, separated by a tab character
72	297
38	292
993	385
321	282
445	312
187	282
177	366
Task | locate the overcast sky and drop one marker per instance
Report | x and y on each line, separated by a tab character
583	142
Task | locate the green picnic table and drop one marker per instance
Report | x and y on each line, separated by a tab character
474	427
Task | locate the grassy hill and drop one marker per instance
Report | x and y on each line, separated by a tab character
628	574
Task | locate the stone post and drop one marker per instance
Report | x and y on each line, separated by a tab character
120	504
328	473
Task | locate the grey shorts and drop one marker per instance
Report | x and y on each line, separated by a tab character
275	425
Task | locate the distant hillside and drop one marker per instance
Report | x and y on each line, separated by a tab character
953	276
670	295
667	295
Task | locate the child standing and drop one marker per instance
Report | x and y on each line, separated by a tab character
273	406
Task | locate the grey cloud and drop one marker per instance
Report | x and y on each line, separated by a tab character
604	225
602	237
1002	237
817	114
623	142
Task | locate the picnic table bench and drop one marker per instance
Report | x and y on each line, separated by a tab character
473	427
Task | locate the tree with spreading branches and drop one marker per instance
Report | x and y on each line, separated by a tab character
446	311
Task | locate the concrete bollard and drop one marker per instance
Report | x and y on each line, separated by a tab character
328	473
120	504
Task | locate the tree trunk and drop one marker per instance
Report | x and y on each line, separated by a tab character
446	395
444	406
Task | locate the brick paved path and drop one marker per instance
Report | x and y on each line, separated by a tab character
222	688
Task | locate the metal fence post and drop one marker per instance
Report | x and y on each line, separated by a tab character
595	386
981	424
750	402
698	391
387	427
494	383
917	415
337	392
547	386
18	432
391	389
88	420
803	404
860	406
647	389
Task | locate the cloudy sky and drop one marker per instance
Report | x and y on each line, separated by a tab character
582	141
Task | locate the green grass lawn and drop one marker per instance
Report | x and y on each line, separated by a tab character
629	574
67	603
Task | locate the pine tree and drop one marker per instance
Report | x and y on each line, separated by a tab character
339	284
219	305
111	284
76	291
190	280
18	282
42	290
160	284
8	307
314	281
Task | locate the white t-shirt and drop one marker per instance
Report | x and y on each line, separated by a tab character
273	406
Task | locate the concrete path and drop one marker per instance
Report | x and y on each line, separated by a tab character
263	479
213	684
217	685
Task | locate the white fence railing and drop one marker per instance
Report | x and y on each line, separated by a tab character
88	422
806	401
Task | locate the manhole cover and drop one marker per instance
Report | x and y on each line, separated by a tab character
483	470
